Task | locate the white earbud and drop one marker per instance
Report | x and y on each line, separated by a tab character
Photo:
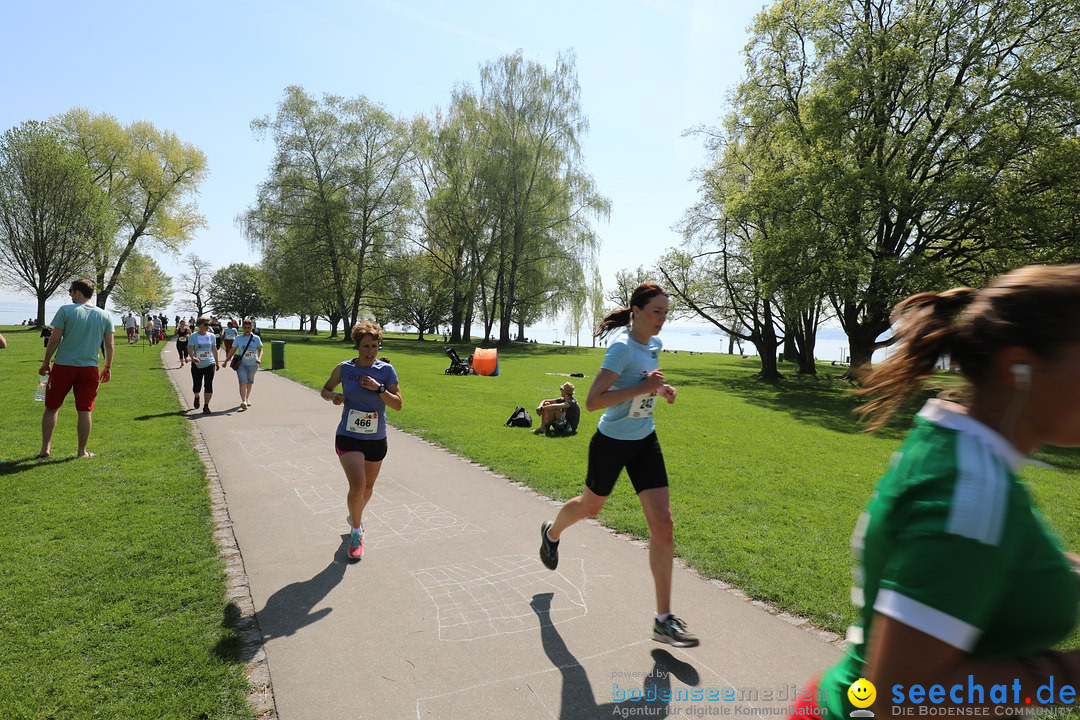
1022	373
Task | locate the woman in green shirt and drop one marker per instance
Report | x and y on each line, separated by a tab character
961	586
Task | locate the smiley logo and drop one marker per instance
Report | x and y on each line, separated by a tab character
862	693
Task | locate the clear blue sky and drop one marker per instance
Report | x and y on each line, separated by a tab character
649	70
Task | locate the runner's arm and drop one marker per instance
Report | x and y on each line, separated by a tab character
392	396
328	389
602	396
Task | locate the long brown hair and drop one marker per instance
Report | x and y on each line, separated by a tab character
641	296
1035	307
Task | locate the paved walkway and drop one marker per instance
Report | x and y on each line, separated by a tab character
451	614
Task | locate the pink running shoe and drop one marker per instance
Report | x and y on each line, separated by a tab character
356	546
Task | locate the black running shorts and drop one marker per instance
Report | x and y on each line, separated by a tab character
373	450
643	460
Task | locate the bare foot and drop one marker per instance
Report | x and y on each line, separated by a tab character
86	454
43	455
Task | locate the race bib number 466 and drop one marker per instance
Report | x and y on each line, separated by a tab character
362	423
642	406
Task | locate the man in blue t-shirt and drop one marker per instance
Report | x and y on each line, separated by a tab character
79	330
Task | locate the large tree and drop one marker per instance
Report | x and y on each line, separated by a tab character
914	128
455	215
236	290
337	191
151	178
415	293
542	198
194	285
142	286
51	212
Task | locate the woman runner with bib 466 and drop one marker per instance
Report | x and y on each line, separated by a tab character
628	385
368	387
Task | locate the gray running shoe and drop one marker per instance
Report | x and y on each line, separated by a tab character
549	551
673	632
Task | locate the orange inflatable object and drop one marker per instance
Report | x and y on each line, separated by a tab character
485	361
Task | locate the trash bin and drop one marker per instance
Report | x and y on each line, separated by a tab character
277	354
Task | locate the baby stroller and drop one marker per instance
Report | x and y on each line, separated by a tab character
457	367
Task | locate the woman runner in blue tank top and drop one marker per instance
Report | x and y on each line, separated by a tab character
368	387
627	388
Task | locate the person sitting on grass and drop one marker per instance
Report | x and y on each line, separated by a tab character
561	415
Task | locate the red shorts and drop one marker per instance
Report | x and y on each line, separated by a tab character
63	378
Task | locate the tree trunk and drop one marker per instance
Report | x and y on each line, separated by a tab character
730	344
456	316
466	329
40	310
767	346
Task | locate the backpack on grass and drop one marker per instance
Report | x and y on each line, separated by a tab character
519	418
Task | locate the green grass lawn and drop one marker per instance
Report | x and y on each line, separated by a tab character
766	480
111	591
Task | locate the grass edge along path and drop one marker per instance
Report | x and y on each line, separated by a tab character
112	587
767	480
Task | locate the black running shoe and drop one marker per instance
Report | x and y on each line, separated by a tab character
206	410
673	632
549	551
196	402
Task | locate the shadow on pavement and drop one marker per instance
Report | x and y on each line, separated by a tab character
578	701
287	611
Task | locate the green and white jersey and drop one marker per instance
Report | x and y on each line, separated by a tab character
951	546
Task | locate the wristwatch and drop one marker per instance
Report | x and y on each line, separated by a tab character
381	390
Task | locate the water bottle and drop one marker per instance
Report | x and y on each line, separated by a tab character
43	383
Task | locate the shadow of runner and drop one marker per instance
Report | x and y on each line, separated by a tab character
578	701
287	611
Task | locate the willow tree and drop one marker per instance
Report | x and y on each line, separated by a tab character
542	198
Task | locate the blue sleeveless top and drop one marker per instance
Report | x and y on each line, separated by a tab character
359	402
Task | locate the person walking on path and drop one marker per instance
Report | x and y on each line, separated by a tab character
627	386
183	332
79	330
202	346
958	575
231	332
131	327
561	414
368	387
249	347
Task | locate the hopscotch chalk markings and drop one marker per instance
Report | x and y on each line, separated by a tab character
492	597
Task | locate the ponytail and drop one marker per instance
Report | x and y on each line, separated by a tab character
926	329
614	319
641	296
